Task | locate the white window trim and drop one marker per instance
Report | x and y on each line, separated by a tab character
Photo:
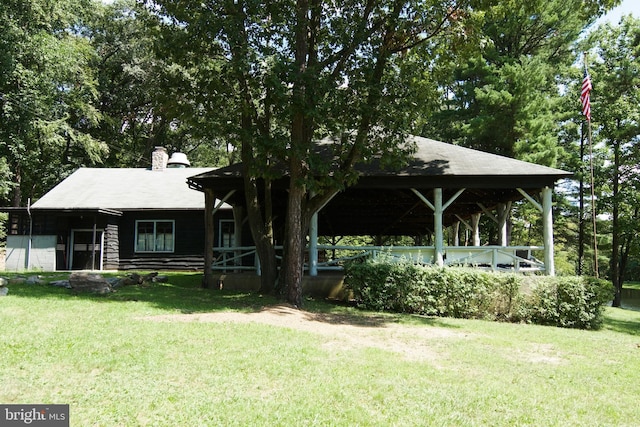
155	221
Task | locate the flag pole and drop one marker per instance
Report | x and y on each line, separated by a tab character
586	108
593	208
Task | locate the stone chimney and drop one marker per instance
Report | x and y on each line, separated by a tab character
159	159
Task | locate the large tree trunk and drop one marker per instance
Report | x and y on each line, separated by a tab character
261	234
259	211
261	228
292	268
17	190
302	127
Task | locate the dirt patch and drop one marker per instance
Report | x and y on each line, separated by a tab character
341	331
541	353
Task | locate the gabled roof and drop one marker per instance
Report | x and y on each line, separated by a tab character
435	164
440	158
124	189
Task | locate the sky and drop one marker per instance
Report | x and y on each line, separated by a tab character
626	7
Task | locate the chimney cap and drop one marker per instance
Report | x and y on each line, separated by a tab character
178	160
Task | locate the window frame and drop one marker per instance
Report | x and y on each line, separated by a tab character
155	236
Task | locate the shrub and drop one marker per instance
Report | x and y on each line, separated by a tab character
570	302
404	287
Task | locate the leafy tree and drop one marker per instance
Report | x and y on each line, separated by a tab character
47	91
616	121
297	72
147	97
507	92
503	96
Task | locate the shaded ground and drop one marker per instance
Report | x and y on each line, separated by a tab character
342	331
352	332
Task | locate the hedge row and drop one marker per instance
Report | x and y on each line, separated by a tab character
572	302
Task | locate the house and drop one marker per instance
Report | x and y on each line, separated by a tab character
155	218
115	219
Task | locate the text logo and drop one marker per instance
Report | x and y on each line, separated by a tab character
34	415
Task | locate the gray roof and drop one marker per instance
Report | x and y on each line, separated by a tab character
440	158
434	163
125	189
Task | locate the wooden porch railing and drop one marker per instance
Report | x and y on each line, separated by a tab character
517	259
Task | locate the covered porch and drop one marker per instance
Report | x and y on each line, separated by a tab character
443	190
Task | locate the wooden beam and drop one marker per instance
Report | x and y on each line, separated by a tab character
475	221
503	211
238	214
424	199
452	199
466	224
488	213
313	245
437	226
209	237
547	230
456	232
530	199
221	202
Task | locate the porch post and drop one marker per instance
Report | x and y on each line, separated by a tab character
475	221
238	213
437	226
503	210
547	230
93	243
313	245
209	201
456	233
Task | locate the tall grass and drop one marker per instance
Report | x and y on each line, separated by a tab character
116	367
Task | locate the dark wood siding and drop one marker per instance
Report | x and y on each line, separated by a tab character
188	245
111	250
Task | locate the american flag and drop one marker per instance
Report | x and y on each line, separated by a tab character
585	95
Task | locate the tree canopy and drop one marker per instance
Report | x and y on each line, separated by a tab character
615	73
48	90
84	83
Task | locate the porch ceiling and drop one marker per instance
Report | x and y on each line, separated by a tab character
369	211
401	212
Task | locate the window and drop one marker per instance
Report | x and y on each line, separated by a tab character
154	236
227	237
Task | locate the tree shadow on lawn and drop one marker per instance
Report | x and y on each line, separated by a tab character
340	313
184	295
625	320
623	326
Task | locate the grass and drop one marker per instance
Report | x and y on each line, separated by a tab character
115	367
632	285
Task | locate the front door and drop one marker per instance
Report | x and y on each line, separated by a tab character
86	253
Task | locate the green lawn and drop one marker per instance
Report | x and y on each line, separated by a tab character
116	363
632	285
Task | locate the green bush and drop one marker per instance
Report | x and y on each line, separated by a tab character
403	287
570	302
